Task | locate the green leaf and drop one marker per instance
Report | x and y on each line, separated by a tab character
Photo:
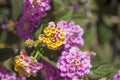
93	5
61	11
46	58
89	36
65	14
3	36
6	53
72	1
105	53
4	11
100	71
81	21
80	18
58	3
39	30
16	8
4	14
104	34
107	20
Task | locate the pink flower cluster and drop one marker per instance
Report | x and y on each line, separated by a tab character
117	76
74	63
74	34
7	75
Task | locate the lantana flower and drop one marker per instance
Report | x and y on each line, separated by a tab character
117	76
53	36
7	75
26	65
33	11
74	34
74	63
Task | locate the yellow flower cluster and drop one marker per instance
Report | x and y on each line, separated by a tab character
19	61
26	65
53	36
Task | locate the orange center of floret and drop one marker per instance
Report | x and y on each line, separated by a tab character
35	2
58	29
25	26
77	62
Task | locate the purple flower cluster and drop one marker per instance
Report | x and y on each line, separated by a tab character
33	11
48	72
117	76
74	34
6	75
74	63
25	28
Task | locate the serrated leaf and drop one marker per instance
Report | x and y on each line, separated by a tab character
59	3
6	53
101	71
65	14
61	10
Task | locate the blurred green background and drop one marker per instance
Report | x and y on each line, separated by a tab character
100	20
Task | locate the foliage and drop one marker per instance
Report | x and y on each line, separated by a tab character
100	20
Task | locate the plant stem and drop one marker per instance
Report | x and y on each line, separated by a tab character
36	55
46	59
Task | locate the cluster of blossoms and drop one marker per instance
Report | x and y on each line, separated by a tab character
7	75
117	76
26	65
74	63
33	11
53	36
74	34
65	33
49	72
25	28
